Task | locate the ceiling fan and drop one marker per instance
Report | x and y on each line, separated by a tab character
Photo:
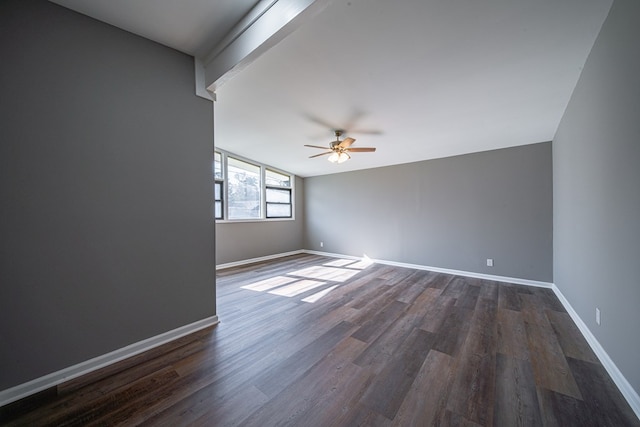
340	150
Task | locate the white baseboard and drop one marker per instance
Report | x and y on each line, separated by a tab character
259	259
514	280
621	382
53	379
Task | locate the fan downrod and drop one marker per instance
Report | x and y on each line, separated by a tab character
338	133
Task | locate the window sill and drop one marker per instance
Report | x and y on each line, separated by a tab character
236	221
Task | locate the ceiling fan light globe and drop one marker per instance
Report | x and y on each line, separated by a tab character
343	157
333	158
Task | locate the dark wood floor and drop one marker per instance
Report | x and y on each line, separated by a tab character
314	341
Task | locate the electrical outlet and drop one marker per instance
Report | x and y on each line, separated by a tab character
489	262
322	244
598	315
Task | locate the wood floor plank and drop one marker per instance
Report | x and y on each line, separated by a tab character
342	399
372	306
571	340
469	297
437	311
362	416
452	419
426	401
120	406
392	384
508	297
601	395
383	345
230	412
377	323
378	352
456	287
512	336
439	281
319	383
284	373
453	331
516	402
559	410
376	288
548	299
473	389
416	286
489	290
549	364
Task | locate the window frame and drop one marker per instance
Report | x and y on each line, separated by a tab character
267	202
224	182
219	183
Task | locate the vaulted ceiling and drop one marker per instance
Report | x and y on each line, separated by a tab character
417	79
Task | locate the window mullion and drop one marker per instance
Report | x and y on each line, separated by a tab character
263	190
225	189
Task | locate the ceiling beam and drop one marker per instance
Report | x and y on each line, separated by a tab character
269	22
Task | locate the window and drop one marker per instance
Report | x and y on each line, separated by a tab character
244	188
278	194
218	200
247	190
218	185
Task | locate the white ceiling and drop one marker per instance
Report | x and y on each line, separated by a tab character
417	79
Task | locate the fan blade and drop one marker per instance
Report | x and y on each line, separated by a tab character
346	143
321	154
316	146
361	149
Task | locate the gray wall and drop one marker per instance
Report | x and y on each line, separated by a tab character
596	167
450	213
106	230
245	240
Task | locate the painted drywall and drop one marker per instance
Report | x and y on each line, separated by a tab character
107	233
239	241
449	213
596	152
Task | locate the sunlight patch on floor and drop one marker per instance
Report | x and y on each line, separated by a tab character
297	288
315	297
307	279
339	263
274	282
362	264
326	273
